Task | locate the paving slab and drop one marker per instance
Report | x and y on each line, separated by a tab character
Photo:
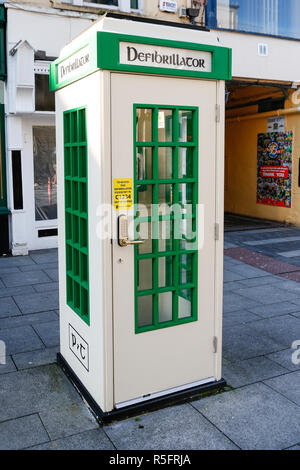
285	359
48	332
37	302
50	286
25	279
240	373
254	417
273	310
229	276
42	258
272	241
10	291
233	302
248	272
292	276
8	270
8	367
241	342
8	307
290	254
258	260
30	319
256	281
230	286
295	448
20	339
238	317
267	294
288	385
16	261
22	432
38	267
176	428
96	439
35	358
60	407
284	330
52	274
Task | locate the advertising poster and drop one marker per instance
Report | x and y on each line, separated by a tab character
274	169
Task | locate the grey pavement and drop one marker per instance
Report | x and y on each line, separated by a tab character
40	409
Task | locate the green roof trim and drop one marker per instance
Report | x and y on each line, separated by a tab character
103	51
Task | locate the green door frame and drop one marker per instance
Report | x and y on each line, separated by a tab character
176	253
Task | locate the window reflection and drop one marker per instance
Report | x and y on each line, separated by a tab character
45	187
277	17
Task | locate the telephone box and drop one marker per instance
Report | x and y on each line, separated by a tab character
140	141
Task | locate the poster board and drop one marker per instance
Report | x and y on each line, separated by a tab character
274	169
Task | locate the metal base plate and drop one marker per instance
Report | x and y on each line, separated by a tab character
133	410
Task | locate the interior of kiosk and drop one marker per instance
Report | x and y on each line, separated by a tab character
140	143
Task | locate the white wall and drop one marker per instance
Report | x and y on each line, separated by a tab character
280	64
47	32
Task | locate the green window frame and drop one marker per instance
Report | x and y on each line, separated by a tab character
174	250
76	211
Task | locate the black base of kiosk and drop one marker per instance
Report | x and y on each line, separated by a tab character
132	410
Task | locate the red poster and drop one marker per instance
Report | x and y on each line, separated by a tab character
274	169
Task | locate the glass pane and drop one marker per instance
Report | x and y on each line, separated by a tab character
165	310
185	303
165	271
145	274
144	196
144	163
165	194
185	194
185	126
188	234
145	310
165	235
144	125
186	269
45	185
185	163
144	232
165	125
277	18
44	99
165	162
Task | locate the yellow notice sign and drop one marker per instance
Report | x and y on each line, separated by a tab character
123	193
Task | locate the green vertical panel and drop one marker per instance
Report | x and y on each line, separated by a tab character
76	211
173	247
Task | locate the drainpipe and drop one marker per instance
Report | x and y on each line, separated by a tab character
279	112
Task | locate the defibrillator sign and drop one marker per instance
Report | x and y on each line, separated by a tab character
123	193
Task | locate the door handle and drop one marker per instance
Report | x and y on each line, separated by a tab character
123	239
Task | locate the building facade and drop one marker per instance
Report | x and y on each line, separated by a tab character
264	37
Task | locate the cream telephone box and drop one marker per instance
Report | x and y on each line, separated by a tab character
140	124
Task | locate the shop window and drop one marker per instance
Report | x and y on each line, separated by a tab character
44	99
45	188
276	17
17	179
118	4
